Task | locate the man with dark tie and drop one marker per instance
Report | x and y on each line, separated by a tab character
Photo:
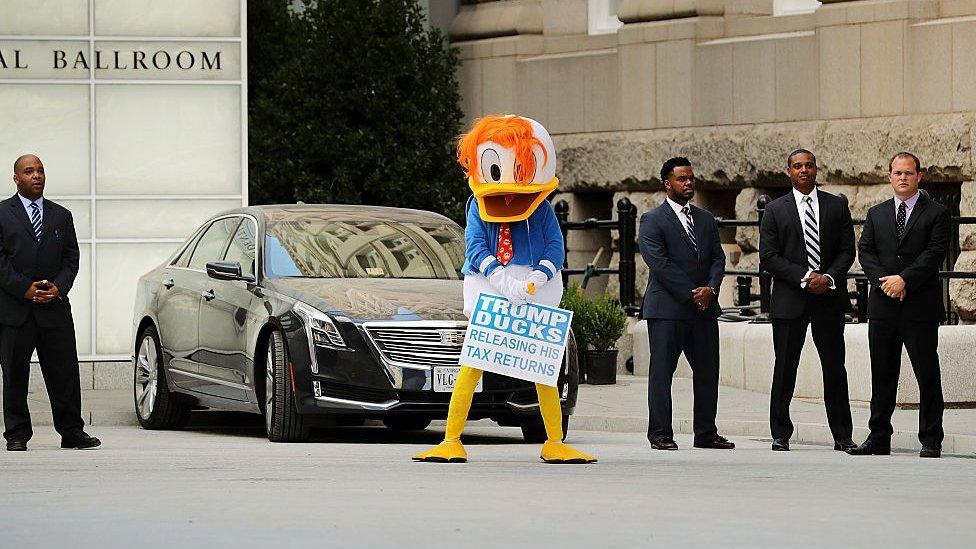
38	264
902	248
806	242
680	244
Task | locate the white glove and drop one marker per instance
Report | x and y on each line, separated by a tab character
538	278
518	291
508	287
499	280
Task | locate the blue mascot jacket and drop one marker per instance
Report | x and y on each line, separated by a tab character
536	242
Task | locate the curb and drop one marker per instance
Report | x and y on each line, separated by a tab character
804	433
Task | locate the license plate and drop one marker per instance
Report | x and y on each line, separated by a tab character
445	376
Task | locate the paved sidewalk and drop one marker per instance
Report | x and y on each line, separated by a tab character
623	408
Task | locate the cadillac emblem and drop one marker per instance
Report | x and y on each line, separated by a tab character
452	337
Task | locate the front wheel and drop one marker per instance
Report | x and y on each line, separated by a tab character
156	406
282	420
534	430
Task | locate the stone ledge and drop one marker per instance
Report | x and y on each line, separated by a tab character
849	151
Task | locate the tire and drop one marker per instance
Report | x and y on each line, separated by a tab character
407	423
282	421
534	430
155	405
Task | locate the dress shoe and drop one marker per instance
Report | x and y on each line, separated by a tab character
82	442
871	448
844	445
16	445
664	445
927	452
717	443
781	445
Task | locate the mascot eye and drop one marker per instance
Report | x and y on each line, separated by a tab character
491	166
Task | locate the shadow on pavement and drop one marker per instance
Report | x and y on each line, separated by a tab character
242	424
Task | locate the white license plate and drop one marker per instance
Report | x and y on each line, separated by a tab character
445	376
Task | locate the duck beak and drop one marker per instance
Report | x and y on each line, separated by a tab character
508	202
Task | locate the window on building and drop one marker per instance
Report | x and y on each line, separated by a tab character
794	7
602	16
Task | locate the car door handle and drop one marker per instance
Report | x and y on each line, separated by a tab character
169	283
208	295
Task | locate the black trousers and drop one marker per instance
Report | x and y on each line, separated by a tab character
921	340
828	337
698	339
58	355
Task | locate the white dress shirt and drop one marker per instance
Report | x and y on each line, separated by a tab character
801	207
909	206
27	203
681	216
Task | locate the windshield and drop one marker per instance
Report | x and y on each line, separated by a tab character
311	247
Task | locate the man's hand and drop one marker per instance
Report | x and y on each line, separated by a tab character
817	283
702	296
42	291
893	286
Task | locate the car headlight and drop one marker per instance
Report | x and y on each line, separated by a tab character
319	327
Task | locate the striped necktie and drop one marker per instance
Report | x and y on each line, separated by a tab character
690	227
811	234
36	219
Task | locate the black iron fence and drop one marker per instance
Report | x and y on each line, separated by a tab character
756	307
748	306
626	225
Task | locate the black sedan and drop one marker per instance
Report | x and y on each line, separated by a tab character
317	314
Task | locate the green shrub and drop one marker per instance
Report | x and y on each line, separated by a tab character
605	321
574	300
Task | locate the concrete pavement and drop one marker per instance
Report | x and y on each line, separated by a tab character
623	408
356	487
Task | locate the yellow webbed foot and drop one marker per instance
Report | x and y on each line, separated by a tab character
558	452
449	451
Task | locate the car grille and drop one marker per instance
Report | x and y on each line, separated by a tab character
418	344
358	394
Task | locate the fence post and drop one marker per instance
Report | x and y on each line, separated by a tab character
627	247
861	287
562	215
743	290
765	280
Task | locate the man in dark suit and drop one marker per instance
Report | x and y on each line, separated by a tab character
902	248
680	244
38	265
806	242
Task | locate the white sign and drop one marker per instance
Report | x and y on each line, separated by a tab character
525	342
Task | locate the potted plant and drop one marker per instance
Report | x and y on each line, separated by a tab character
604	321
574	300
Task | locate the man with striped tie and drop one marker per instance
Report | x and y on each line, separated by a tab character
806	241
38	264
681	246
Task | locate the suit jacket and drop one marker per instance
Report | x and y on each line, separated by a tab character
783	253
918	257
24	259
675	268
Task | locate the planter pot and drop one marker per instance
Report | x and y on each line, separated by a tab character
601	367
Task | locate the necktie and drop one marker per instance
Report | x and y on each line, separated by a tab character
690	227
36	219
811	235
504	253
900	220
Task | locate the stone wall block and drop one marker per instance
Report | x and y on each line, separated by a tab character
674	81
840	71
745	208
713	89
601	89
797	79
498	74
963	291
963	61
531	97
928	85
882	68
567	94
637	93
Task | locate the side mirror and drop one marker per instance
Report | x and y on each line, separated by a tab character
226	270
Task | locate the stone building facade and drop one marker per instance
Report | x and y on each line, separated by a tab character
734	88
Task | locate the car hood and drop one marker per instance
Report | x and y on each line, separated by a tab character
363	299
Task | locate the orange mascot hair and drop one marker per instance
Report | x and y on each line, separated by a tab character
512	132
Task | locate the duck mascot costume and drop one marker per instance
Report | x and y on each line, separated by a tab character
514	249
